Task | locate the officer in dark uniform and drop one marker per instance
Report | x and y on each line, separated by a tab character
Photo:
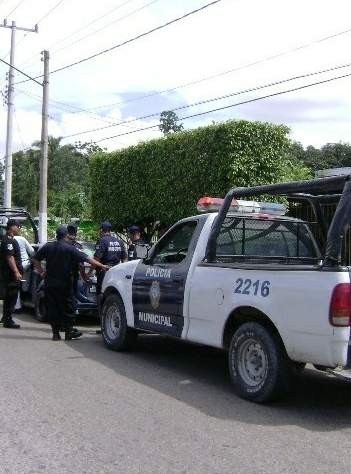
11	265
135	241
72	230
61	258
110	251
72	239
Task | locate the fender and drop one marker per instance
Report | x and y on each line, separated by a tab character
120	278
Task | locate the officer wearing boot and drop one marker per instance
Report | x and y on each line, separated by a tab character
61	258
11	266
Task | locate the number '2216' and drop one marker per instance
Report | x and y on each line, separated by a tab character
249	287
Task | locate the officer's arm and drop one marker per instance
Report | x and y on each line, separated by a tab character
82	257
124	255
96	264
39	256
12	264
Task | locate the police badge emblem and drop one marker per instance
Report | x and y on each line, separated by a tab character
155	294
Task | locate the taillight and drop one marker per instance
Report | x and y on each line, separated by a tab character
340	305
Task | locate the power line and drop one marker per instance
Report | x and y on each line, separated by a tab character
37	23
14	9
63	39
226	96
228	71
137	10
21	72
233	105
65	107
135	38
50	11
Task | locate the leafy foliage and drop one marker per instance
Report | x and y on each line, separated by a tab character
331	155
169	122
161	180
68	178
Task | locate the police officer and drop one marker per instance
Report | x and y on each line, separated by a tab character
72	230
109	250
11	265
135	242
60	257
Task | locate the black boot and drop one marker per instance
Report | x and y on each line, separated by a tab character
56	336
10	324
72	333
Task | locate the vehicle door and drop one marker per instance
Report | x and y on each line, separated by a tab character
159	281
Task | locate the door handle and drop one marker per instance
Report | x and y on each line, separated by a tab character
128	277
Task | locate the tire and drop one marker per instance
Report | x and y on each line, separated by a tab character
115	332
258	365
40	308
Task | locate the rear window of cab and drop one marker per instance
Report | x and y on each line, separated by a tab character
247	238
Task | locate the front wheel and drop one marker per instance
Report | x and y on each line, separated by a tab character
115	332
258	365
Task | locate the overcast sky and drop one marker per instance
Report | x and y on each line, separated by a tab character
281	36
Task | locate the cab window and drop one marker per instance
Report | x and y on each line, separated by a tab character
173	247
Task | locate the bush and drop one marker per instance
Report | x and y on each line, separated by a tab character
163	179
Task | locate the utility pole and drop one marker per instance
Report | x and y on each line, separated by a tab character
10	109
43	200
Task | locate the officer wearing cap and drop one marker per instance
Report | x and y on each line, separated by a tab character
11	266
135	241
60	257
109	250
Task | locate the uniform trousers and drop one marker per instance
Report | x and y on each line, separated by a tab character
57	300
10	297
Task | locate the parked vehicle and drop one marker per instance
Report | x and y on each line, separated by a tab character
32	292
248	279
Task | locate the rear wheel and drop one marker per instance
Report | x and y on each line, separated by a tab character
258	365
115	332
40	307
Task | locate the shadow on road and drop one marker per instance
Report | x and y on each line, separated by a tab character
198	376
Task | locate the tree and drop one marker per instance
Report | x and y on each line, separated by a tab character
68	178
169	122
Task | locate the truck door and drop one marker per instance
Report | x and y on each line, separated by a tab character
159	281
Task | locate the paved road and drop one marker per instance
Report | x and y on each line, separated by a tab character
75	407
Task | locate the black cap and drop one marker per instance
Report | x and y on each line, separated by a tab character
72	229
61	232
133	229
13	223
106	226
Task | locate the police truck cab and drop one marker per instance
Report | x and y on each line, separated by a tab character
245	277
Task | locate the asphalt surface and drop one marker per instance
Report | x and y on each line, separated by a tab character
166	407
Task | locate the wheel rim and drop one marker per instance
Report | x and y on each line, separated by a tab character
113	322
252	363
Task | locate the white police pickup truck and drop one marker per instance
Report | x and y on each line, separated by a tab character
247	279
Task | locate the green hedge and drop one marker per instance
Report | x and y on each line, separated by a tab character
162	179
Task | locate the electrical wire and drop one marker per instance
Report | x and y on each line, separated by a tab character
228	71
226	96
21	72
137	10
65	107
36	23
135	38
199	114
14	9
63	39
